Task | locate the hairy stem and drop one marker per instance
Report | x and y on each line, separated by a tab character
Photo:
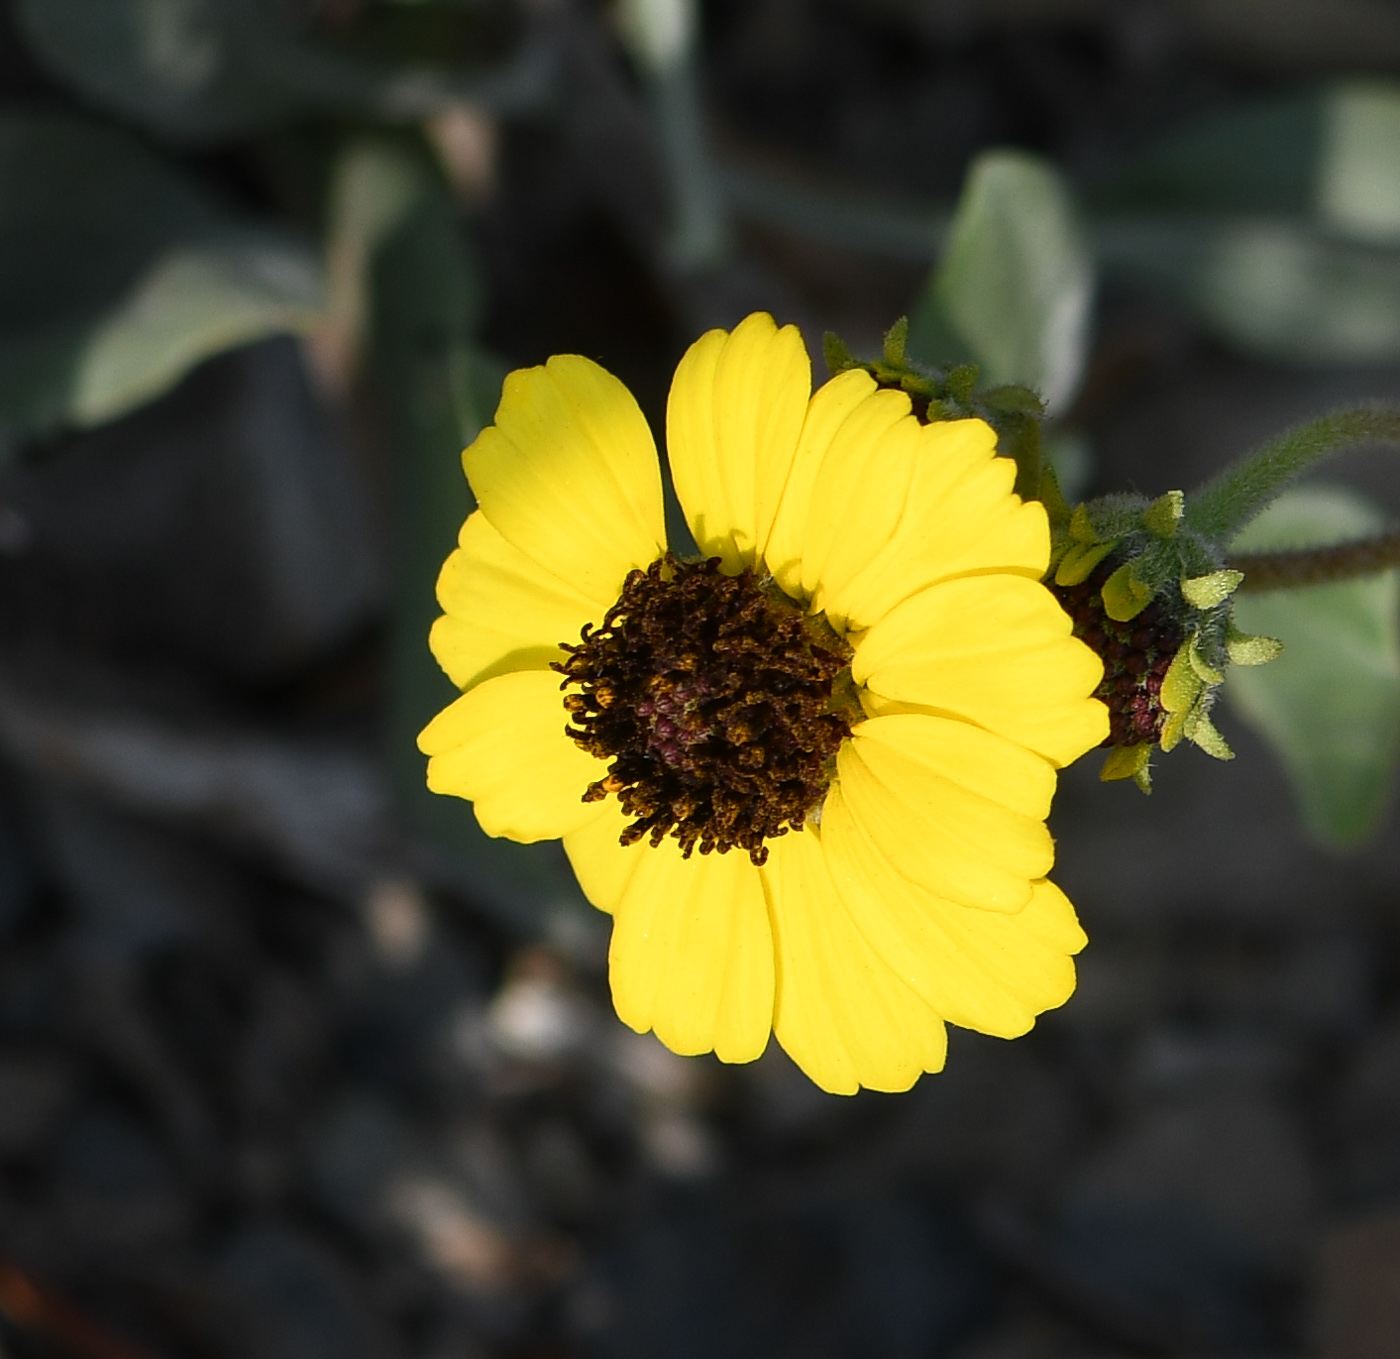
1229	501
1317	565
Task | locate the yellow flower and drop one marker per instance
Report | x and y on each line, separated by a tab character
809	782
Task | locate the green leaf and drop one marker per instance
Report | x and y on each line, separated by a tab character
658	33
1356	183
1331	156
375	183
1280	224
116	279
211	70
187	68
1256	160
193	302
1329	706
1287	288
1014	286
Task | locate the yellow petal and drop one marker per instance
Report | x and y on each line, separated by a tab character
503	746
827	411
568	475
960	518
976	759
601	863
994	650
982	970
841	1014
860	492
503	611
949	840
732	423
692	953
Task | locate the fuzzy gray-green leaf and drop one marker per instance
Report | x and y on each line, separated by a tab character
116	278
1014	286
1330	704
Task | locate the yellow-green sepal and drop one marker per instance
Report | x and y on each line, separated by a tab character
1080	529
1129	762
1201	731
1079	562
1205	672
1245	649
1180	685
1205	592
1163	516
1124	595
1173	729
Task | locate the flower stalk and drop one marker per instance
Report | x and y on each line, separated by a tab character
1226	503
1317	566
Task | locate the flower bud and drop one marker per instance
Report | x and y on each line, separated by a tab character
1153	601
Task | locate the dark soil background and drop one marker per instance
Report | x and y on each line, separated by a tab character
278	1080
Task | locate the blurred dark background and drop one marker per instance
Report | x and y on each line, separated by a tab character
293	1063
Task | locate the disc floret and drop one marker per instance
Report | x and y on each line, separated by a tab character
714	700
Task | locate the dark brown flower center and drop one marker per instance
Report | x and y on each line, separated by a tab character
711	696
1136	656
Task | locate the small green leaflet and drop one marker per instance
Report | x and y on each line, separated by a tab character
1330	705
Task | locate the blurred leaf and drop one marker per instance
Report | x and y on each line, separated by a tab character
1280	223
375	184
843	216
1330	705
116	279
1071	454
1357	182
439	389
1013	289
210	70
193	302
1332	156
1256	160
1289	290
189	67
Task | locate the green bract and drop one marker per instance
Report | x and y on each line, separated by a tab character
1161	560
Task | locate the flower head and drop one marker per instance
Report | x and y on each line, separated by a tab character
807	774
1152	598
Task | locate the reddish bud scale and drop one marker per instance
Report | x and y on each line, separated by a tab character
1136	656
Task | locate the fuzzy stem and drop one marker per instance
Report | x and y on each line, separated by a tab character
1317	565
1226	503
